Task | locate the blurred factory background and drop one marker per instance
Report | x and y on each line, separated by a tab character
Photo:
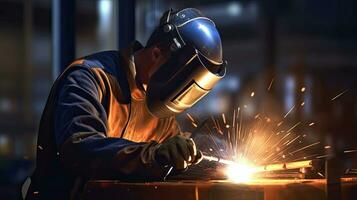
295	43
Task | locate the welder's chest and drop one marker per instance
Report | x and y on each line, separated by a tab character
142	126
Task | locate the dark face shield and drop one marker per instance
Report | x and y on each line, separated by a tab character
183	80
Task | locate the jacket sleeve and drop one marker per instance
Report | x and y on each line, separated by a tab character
80	133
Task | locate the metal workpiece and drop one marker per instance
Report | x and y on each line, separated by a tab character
304	164
264	189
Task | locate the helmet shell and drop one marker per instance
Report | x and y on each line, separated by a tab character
200	32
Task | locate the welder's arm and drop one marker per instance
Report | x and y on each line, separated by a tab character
80	131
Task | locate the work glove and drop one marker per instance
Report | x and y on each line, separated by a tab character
178	152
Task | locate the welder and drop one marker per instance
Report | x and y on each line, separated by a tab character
111	115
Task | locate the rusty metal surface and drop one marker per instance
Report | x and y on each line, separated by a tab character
194	190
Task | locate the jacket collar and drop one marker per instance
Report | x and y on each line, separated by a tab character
136	89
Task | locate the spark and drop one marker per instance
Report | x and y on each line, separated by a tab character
234	118
279	124
319	173
190	117
323	156
303	89
305	147
339	95
252	94
350	151
224	118
240	123
293	140
271	83
297	124
216	125
292	108
327	147
311	124
305	157
270	155
302	103
287	141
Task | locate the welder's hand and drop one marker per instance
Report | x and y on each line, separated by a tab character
178	152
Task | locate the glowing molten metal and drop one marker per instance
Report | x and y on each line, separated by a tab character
240	172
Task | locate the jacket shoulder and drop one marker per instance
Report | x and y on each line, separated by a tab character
106	60
108	69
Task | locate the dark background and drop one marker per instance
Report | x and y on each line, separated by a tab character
298	43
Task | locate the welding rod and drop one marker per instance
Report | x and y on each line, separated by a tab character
209	158
217	159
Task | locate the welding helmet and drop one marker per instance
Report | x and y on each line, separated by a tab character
194	66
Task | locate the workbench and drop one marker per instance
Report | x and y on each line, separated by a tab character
264	189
